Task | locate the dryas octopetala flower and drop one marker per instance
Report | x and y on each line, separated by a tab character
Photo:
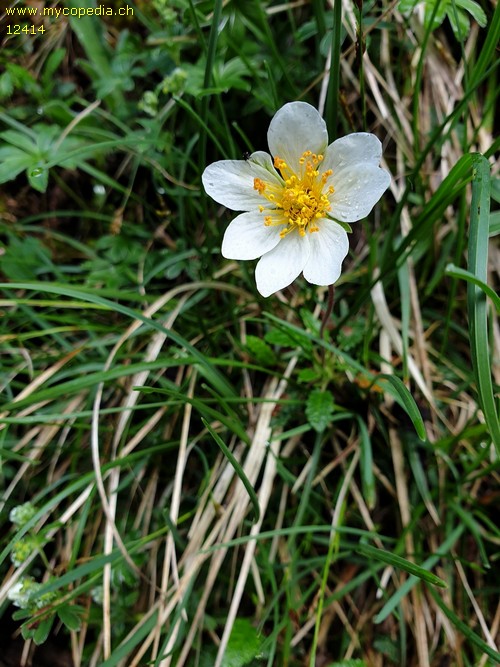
295	204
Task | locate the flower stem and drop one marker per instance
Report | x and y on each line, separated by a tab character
328	311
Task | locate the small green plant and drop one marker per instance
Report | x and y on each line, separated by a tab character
458	13
37	150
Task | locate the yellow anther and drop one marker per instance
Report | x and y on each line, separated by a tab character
300	198
280	164
326	175
259	185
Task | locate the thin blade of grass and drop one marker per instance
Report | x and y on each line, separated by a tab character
238	469
477	263
399	391
457	272
464	628
209	371
402	564
405	588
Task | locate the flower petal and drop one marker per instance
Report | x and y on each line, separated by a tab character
357	189
353	149
295	128
279	267
358	180
230	182
329	246
247	237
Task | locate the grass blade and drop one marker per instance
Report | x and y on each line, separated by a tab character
401	563
477	263
457	272
399	391
238	469
465	629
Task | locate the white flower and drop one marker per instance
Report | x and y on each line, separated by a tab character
292	203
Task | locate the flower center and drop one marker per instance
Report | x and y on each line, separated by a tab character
300	201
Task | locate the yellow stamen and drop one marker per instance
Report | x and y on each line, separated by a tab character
259	185
302	199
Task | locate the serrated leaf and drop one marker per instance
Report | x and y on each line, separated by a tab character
278	337
319	409
307	375
262	352
288	338
243	646
309	321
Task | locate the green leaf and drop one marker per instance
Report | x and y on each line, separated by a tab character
400	563
20	140
435	12
465	629
12	162
43	630
24	259
348	663
456	272
477	264
38	177
307	375
443	551
494	223
460	22
407	5
367	476
243	646
319	409
401	394
6	85
495	189
279	337
70	616
262	352
239	470
345	225
474	10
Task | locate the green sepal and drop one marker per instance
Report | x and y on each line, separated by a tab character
344	225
